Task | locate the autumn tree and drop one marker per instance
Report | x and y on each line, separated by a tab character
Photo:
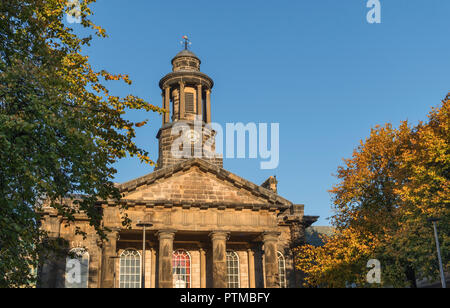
61	130
395	181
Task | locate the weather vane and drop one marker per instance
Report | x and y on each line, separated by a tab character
187	42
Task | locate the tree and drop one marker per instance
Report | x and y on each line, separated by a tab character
394	182
60	128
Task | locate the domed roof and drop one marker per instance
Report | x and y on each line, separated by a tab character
186	53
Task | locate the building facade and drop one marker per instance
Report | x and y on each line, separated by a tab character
209	228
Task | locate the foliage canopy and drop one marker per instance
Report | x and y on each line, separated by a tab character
395	181
60	128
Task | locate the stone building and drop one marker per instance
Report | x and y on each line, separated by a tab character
210	227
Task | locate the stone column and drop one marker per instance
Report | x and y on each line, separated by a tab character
270	240
165	258
48	277
108	263
219	254
202	268
167	105
199	101
208	106
264	271
251	268
297	239
182	101
164	107
153	273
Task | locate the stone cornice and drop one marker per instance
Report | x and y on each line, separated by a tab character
178	122
294	219
309	220
186	76
203	205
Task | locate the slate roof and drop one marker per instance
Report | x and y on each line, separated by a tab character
313	234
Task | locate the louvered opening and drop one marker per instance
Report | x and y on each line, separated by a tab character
189	99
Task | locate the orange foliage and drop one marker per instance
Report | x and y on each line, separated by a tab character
395	180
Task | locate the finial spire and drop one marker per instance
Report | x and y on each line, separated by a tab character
187	42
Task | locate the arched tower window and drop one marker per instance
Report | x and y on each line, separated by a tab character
130	269
233	276
181	261
282	270
77	268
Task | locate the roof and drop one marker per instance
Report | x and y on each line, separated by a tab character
186	53
314	234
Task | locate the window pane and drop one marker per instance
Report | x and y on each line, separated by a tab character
130	269
181	261
282	270
233	276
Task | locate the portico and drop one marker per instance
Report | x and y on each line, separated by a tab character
207	254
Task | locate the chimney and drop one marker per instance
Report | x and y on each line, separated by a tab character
271	184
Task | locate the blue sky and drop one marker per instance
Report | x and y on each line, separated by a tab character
314	66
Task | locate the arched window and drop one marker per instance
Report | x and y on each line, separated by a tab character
282	270
181	261
130	269
233	276
77	268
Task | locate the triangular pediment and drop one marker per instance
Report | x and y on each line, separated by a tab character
197	181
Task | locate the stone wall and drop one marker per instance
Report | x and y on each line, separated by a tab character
194	185
166	140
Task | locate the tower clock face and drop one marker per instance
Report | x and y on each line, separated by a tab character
192	136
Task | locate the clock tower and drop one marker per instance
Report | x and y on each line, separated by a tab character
186	97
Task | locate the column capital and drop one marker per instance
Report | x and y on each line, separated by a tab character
113	233
166	234
270	236
219	235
